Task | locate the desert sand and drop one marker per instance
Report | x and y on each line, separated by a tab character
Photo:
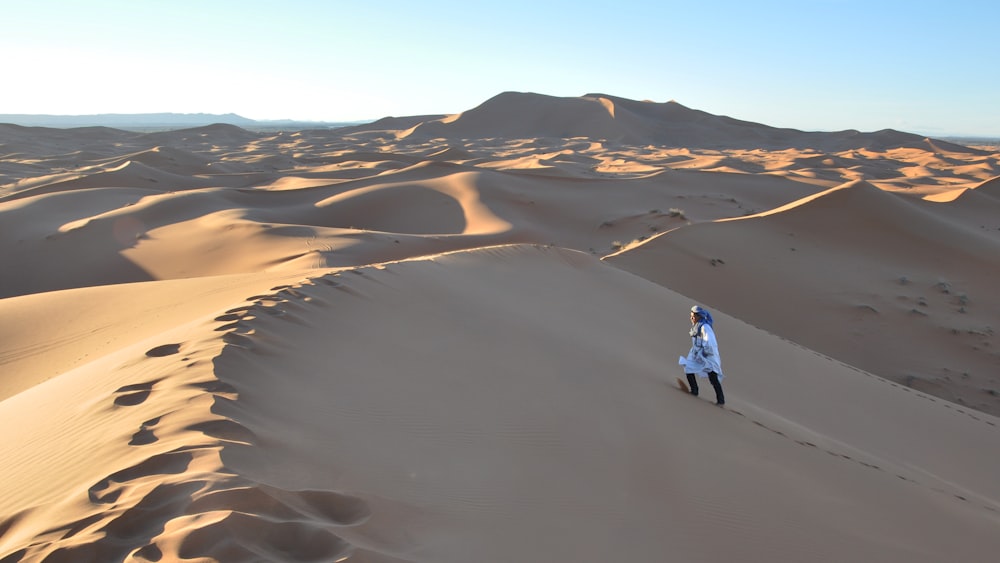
454	338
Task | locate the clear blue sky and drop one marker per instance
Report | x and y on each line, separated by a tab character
928	67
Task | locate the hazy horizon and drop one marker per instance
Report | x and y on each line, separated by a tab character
825	65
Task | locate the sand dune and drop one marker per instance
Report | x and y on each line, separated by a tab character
432	338
474	445
599	116
893	272
157	230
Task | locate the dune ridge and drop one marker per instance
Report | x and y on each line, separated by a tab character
206	474
435	336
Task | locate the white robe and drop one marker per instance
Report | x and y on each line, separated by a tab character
704	354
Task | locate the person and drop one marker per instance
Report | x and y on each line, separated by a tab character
703	359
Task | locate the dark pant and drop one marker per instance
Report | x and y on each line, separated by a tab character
713	378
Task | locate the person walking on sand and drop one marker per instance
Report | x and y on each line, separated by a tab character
703	359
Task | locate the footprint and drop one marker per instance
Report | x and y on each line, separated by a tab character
225	430
241	309
229	317
144	520
164	350
238	340
124	529
217	388
273	311
132	395
107	490
264	298
145	434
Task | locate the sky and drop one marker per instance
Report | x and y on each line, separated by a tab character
921	66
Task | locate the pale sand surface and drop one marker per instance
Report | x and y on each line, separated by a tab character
454	338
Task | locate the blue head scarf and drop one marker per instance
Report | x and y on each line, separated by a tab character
704	317
703	314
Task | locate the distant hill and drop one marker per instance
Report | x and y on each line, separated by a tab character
160	121
600	116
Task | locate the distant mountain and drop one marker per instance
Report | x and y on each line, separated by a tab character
526	115
604	117
147	121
